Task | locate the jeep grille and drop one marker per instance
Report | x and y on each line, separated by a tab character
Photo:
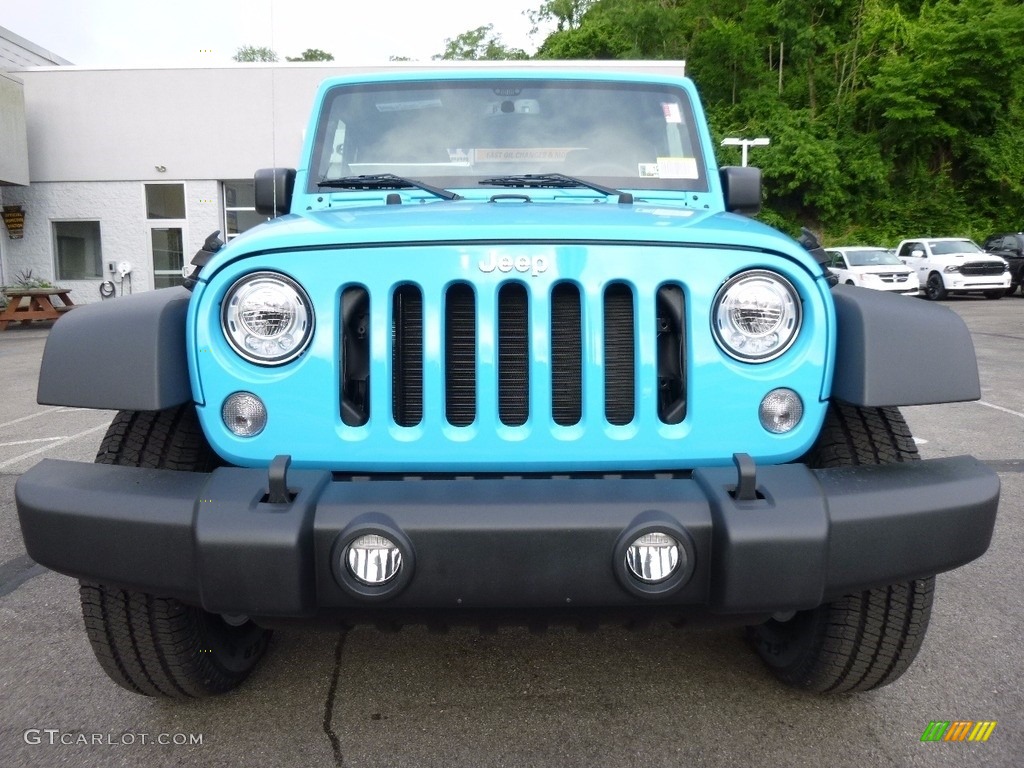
515	321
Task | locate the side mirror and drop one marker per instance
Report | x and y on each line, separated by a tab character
274	187
917	253
741	187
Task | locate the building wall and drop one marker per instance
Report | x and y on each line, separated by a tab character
119	206
196	123
103	125
95	137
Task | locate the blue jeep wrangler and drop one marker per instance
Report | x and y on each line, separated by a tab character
508	350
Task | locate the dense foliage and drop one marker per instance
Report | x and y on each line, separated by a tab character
311	54
479	43
887	118
247	54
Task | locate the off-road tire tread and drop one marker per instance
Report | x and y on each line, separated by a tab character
170	439
864	640
151	645
853	436
158	646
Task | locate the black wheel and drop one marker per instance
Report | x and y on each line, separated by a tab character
934	289
864	640
996	294
1012	289
158	646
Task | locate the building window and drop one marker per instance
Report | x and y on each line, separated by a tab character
240	207
165	201
77	250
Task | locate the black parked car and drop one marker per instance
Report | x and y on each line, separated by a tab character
1009	245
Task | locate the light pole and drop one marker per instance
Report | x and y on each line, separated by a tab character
744	143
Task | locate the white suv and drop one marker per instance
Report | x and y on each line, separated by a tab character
871	267
955	265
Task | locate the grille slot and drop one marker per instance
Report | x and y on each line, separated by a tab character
407	356
671	355
619	355
460	355
513	355
355	356
566	355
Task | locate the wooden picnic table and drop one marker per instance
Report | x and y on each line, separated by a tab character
27	304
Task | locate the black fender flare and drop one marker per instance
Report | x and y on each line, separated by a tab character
898	350
122	354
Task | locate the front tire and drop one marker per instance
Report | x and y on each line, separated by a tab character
158	646
867	639
935	289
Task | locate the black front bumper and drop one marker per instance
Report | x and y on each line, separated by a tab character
214	539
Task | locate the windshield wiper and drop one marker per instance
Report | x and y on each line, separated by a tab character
554	181
386	181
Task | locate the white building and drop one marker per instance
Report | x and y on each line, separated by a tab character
136	167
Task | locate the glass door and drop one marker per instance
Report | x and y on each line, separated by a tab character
165	213
168	256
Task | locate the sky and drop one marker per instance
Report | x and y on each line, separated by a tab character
143	33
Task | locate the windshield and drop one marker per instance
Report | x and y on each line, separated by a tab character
872	258
946	247
459	133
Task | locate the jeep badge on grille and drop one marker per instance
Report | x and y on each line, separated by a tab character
535	265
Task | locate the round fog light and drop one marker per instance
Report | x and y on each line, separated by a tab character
780	411
653	557
244	414
373	559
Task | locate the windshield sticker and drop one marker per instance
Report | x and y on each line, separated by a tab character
459	155
677	168
519	154
672	113
405	106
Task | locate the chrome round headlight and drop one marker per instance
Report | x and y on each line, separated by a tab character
267	318
756	316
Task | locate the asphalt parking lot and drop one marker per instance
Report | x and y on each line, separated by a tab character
654	697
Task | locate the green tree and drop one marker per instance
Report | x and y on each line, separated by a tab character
566	14
249	53
479	44
888	118
312	54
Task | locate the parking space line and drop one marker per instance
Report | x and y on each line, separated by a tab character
1000	408
37	451
30	416
34	440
